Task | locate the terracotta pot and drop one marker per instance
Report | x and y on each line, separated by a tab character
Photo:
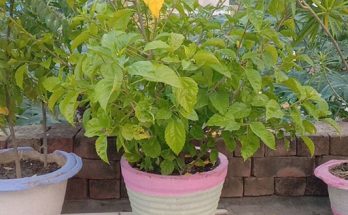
338	187
39	195
152	194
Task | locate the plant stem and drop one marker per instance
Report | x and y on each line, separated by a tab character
12	133
11	115
44	129
305	6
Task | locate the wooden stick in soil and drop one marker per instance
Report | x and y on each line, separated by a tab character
44	129
13	135
11	115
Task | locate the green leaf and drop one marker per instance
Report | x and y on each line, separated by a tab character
19	75
167	167
229	141
239	110
157	44
270	55
71	3
309	127
228	123
57	94
134	132
333	123
68	106
186	96
265	135
120	19
175	135
297	120
254	79
309	143
273	110
101	146
50	83
119	142
255	17
175	41
205	58
81	38
214	155
260	100
250	144
152	149
143	111
155	73
109	88
220	101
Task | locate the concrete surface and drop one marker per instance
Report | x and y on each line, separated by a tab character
240	206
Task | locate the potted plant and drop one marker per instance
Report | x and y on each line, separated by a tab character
335	174
38	181
162	76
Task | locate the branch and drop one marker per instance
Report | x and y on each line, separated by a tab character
305	6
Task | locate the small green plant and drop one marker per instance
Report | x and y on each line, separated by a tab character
32	49
160	78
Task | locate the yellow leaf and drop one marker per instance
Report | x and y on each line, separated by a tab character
4	111
155	7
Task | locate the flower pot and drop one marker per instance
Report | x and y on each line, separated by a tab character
338	187
39	195
152	194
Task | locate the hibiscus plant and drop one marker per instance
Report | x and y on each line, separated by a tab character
160	74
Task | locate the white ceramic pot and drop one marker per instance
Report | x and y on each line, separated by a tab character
338	187
152	194
37	195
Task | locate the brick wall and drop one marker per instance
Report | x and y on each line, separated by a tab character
281	172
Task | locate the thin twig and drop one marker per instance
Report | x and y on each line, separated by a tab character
8	97
44	131
305	6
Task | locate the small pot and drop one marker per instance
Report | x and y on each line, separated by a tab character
152	194
338	187
39	195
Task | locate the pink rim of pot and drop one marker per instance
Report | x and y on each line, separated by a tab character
159	185
324	174
335	212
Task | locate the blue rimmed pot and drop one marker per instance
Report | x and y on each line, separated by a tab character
39	195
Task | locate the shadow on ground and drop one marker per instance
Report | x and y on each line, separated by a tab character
243	206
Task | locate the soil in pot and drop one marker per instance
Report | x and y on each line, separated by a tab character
340	171
194	165
29	168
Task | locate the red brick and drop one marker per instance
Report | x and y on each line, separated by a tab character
237	167
85	147
77	189
321	142
290	186
259	153
258	186
315	187
27	136
339	145
61	137
282	149
233	187
323	159
97	169
104	189
339	142
283	167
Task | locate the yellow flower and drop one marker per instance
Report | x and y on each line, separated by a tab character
4	111
155	7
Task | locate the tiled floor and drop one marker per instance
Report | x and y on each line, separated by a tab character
220	212
239	206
